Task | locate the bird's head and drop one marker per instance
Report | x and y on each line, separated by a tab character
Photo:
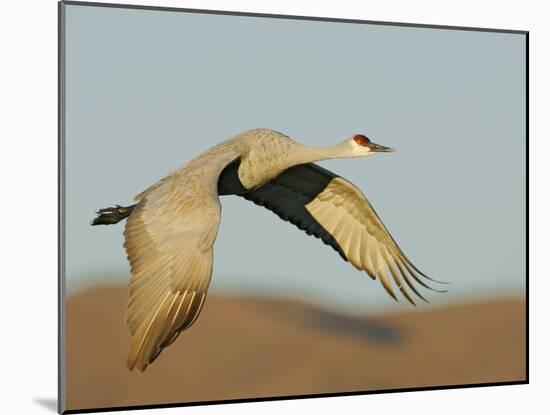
360	145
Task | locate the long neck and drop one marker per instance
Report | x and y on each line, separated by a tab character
306	154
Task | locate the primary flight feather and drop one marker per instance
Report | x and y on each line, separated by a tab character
170	232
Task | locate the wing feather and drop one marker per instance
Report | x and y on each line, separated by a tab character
169	239
334	210
382	252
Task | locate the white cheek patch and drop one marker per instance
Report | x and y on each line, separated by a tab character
360	150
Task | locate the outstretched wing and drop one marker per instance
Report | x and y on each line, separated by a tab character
334	210
169	240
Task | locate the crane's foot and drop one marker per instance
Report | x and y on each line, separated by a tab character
112	215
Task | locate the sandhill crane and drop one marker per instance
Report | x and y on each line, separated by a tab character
170	232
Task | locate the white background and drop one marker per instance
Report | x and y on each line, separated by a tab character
28	210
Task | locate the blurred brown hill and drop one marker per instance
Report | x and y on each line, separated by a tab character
258	347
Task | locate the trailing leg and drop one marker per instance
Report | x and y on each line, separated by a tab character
112	215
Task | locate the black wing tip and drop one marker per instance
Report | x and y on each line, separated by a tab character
410	269
429	278
434	280
437	290
409	299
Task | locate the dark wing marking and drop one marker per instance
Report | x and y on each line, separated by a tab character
228	182
335	211
288	194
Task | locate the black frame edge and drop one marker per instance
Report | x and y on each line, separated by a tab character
291	17
61	332
293	397
527	296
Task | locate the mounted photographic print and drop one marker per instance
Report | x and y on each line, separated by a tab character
259	206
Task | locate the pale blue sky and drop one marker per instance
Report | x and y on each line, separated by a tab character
149	90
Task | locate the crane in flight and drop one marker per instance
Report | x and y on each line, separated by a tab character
170	231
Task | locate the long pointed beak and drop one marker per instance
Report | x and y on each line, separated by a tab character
380	149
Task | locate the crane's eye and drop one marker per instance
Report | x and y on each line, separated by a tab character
361	140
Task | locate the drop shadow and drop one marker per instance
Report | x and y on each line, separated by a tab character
48	403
